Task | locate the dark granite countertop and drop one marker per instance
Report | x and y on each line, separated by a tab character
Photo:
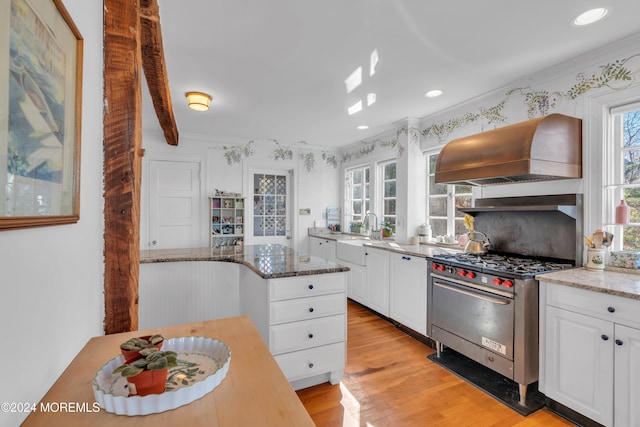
269	261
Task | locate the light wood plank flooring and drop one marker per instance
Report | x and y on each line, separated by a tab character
389	382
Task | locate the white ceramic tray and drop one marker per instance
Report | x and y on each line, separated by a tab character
202	365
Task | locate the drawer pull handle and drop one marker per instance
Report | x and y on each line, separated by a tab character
310	365
618	342
611	309
604	337
406	258
310	336
310	286
310	309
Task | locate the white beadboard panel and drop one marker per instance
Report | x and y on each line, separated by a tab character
172	293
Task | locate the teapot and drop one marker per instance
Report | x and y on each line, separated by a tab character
475	245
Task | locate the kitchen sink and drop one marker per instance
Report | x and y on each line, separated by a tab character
351	250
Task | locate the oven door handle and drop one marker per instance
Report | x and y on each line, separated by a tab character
472	294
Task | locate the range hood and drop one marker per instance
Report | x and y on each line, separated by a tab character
541	149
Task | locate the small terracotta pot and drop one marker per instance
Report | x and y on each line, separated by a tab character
132	356
386	233
148	382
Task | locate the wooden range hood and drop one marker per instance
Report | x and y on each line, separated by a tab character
541	149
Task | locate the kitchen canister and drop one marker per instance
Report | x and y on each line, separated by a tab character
424	233
595	259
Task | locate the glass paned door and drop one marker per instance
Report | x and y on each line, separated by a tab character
271	208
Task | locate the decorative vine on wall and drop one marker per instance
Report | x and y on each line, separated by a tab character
616	75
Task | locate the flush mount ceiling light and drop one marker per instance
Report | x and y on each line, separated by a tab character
363	127
433	93
198	101
590	16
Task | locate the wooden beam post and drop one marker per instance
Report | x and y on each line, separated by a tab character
122	164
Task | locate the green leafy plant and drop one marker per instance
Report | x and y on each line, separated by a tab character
387	228
138	343
153	359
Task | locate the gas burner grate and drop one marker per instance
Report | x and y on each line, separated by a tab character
505	263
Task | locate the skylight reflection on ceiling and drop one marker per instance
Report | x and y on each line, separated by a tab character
373	61
355	108
371	99
354	80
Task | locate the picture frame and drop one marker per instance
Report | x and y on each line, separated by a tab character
40	115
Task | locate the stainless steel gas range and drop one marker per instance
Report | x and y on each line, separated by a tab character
486	306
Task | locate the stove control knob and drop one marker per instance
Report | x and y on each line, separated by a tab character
507	284
471	274
462	273
497	281
451	270
441	268
434	266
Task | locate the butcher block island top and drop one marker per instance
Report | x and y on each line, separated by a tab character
254	392
270	261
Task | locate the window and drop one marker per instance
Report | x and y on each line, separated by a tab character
443	201
388	192
622	179
356	193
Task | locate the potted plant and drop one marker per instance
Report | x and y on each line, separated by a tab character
131	348
387	228
148	375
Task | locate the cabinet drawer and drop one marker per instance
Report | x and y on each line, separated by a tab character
592	303
306	286
313	361
306	334
307	308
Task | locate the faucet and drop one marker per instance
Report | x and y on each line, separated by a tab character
375	231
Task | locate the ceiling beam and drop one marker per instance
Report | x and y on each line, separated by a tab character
155	69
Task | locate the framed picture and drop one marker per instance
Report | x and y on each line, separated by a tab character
40	114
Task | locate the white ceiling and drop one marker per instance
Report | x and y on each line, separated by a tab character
276	69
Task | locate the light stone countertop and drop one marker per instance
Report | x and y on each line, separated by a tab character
611	282
390	244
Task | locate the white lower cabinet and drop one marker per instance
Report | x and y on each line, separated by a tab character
408	291
377	280
303	321
356	281
589	353
323	248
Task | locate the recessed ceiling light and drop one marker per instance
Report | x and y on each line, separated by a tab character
433	93
362	127
590	16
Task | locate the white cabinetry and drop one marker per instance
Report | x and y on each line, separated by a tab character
408	291
589	348
377	280
323	248
356	281
303	321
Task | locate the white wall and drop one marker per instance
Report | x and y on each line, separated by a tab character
315	189
51	278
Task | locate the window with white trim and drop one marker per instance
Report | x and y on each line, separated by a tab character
444	201
356	193
388	177
622	174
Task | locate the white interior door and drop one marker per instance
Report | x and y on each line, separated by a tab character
269	207
174	204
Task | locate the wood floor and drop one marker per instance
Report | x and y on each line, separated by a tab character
388	381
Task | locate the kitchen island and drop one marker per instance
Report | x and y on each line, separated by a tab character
297	301
253	393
